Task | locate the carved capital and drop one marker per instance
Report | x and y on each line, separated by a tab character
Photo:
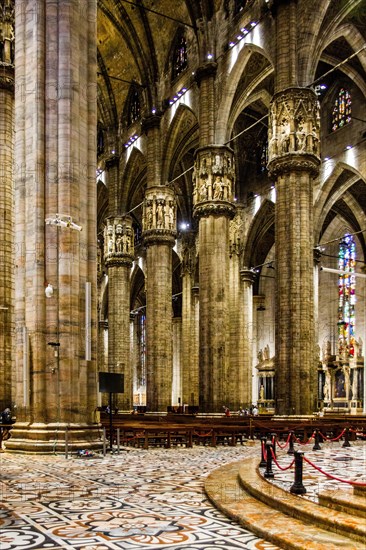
112	162
206	70
119	241
150	122
213	180
159	214
247	276
294	130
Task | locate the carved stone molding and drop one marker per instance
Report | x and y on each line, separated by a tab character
189	253
247	275
213	180
294	163
236	234
294	130
159	219
119	241
209	69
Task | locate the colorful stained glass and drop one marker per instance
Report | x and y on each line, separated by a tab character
180	58
342	109
346	297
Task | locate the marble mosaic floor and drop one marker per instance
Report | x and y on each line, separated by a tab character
138	499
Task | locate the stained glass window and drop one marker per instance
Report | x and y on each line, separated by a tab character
346	297
134	108
264	157
180	59
341	114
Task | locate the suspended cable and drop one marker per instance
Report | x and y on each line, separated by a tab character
246	129
337	66
141	6
319	246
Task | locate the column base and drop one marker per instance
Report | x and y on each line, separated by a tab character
53	438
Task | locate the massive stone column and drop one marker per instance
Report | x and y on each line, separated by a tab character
119	255
239	370
190	375
6	204
213	208
159	231
294	161
55	148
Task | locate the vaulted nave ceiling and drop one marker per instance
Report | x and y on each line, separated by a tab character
133	44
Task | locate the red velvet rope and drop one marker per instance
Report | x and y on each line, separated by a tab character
334	438
278	466
285	445
203	435
304	442
359	483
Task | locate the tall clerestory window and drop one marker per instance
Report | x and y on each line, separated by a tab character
134	106
346	297
342	110
180	58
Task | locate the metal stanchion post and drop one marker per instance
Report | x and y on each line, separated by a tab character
346	442
263	462
291	449
317	447
268	473
118	441
298	488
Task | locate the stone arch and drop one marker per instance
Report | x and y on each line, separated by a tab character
183	131
261	236
341	178
232	82
133	175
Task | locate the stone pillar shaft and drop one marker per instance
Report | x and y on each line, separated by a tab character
294	161
119	254
159	230
214	180
56	152
6	234
189	358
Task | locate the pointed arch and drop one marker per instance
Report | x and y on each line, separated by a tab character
183	131
236	73
132	177
261	236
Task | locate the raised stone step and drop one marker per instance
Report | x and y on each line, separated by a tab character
298	506
345	501
225	490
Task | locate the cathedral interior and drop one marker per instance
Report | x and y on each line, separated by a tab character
183	203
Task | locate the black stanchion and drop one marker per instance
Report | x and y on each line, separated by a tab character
291	449
298	488
346	442
273	439
316	447
268	473
263	462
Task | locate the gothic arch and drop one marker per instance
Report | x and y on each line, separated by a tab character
261	236
183	131
232	83
341	179
132	177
